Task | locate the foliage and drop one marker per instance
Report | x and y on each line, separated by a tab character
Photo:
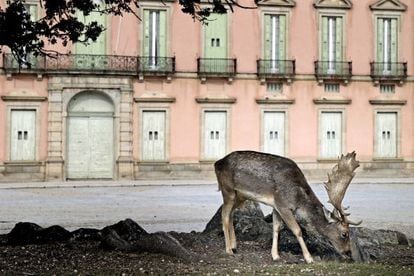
60	22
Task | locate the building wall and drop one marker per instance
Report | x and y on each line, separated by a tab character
184	96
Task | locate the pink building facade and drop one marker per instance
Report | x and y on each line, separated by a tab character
166	96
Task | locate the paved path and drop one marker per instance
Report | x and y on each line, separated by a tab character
177	206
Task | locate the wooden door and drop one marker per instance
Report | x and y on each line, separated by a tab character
153	135
274	133
23	135
215	134
330	134
386	135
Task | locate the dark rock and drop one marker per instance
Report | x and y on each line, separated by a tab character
127	229
369	237
112	241
248	220
31	233
86	234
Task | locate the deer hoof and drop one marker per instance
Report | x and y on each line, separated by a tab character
234	250
275	257
309	260
229	251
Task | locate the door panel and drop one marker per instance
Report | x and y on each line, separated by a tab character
331	134
90	147
386	135
153	135
215	134
274	133
23	135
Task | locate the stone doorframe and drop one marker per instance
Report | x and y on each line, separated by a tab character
61	90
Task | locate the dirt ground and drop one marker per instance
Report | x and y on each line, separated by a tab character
86	258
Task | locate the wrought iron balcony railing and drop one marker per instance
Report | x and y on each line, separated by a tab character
333	70
92	64
220	67
276	69
156	65
388	71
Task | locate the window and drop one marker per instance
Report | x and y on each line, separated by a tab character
331	87
154	34
274	87
331	48
275	40
215	36
387	88
386	43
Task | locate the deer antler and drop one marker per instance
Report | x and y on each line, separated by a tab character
338	182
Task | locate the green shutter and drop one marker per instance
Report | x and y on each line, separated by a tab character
339	39
146	40
380	40
394	44
162	34
267	36
99	46
324	47
33	12
282	37
215	37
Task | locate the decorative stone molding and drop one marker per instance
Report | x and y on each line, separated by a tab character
277	3
154	100
332	101
388	5
216	100
333	4
24	98
275	101
388	102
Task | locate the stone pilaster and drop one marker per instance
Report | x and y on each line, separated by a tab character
125	160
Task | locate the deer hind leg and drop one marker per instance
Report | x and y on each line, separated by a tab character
226	218
290	221
277	223
233	241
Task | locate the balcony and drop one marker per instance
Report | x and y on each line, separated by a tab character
388	72
74	64
276	69
216	67
333	71
156	66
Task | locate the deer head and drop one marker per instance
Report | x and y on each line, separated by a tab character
338	182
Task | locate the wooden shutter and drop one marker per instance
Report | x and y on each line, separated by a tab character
339	39
325	39
274	133
330	134
215	134
282	37
23	135
153	135
146	39
99	46
386	135
78	148
380	40
394	40
215	37
162	34
267	36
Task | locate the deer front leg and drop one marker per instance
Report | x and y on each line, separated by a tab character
226	213
290	221
277	222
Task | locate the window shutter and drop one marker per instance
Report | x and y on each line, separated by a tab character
324	46
394	44
380	40
267	36
162	34
339	39
282	37
146	40
33	12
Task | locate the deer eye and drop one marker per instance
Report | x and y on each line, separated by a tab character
344	235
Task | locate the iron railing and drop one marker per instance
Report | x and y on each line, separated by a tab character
221	67
94	64
333	70
389	70
276	69
157	65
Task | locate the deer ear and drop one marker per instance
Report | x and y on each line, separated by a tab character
329	215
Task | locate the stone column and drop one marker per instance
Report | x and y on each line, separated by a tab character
125	160
54	162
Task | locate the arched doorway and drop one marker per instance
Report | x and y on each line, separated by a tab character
90	137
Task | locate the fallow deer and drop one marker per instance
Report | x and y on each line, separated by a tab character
278	182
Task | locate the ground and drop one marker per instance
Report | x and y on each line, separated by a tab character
87	257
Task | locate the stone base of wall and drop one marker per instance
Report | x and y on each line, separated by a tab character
38	171
22	171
